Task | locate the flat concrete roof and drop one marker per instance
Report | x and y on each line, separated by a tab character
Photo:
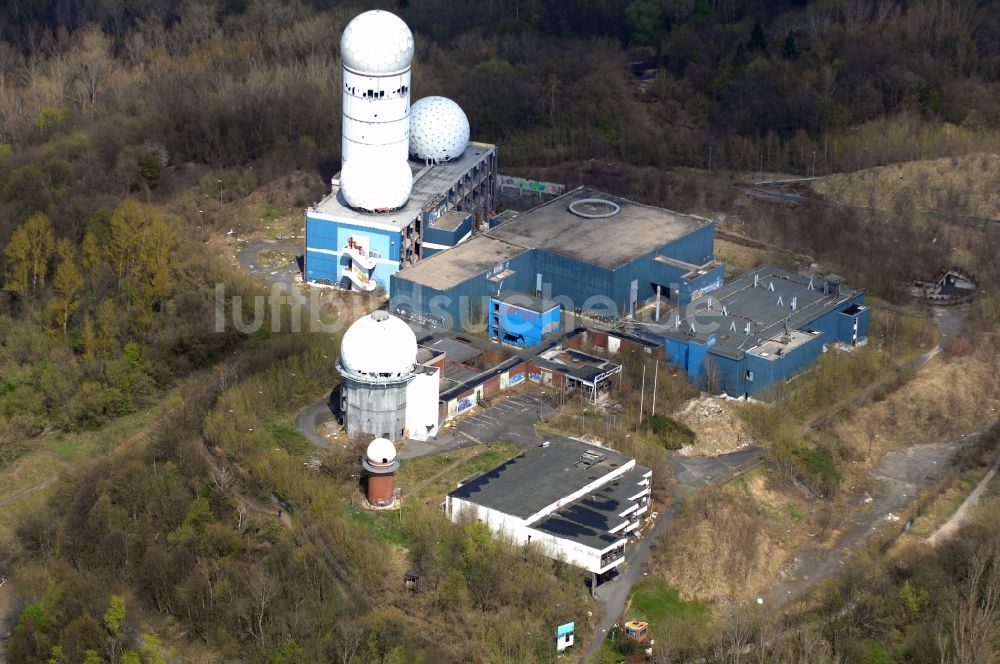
526	301
538	477
449	221
450	267
455	350
726	312
608	242
429	182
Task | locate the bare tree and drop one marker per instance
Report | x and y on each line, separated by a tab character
975	612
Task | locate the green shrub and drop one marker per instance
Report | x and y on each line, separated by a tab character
670	433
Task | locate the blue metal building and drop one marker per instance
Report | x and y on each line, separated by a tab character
761	329
585	251
519	319
362	250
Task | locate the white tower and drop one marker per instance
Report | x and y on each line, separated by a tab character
376	49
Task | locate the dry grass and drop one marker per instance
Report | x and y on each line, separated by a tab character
737	255
731	541
965	185
947	397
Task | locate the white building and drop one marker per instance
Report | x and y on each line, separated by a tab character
386	391
577	501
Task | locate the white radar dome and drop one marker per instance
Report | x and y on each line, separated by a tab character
371	183
381	451
439	129
377	42
379	345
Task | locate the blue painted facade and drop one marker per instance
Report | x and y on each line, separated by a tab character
445	237
516	325
748	373
564	281
325	242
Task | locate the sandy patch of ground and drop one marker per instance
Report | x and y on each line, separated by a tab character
718	429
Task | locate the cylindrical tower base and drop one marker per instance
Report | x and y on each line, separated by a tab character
380	489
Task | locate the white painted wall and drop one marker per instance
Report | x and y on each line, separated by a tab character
422	405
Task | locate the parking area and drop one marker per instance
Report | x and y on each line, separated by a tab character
511	419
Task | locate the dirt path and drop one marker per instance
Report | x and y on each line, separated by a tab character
246	503
948	528
27	491
903	473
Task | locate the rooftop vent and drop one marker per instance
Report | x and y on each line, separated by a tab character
594	208
590	457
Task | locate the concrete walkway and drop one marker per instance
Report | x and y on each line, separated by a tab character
949	527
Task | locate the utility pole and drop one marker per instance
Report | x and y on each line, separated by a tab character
709	157
814	163
642	393
656	371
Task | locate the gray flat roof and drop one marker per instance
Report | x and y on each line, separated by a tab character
430	181
757	305
451	267
588	519
608	242
538	477
455	350
449	221
525	301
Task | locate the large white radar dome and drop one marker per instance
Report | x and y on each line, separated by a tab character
376	184
381	451
439	129
377	42
379	345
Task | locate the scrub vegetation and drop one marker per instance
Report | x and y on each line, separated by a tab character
135	136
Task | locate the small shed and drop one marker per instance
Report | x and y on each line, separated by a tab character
412	580
636	630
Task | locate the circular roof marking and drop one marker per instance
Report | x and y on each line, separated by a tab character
594	208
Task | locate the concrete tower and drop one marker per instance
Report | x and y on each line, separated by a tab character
376	49
381	464
377	361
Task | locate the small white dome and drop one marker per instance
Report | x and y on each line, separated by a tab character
379	345
377	185
381	451
377	42
439	129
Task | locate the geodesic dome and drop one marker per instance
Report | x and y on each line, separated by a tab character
439	129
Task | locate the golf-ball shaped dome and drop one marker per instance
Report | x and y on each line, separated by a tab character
439	129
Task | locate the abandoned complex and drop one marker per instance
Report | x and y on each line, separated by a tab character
578	502
585	250
506	298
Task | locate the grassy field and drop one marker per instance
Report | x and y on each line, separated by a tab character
655	602
426	480
24	481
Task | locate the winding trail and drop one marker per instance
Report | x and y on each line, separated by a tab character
951	526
